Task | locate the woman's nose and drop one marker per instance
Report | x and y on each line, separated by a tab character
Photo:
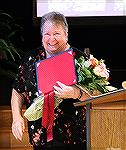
52	38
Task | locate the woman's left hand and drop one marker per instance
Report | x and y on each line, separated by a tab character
64	91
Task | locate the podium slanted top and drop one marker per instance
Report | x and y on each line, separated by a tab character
117	95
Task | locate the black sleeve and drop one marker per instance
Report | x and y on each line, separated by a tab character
19	83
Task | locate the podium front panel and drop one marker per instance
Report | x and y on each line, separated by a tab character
108	129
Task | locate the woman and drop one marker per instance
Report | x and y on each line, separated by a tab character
69	123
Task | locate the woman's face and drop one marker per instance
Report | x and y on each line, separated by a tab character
54	38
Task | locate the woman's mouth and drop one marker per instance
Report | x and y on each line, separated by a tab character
52	46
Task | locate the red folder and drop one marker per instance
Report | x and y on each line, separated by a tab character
57	68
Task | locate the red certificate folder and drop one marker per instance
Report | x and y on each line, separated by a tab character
57	68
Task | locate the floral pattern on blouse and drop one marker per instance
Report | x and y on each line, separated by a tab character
69	121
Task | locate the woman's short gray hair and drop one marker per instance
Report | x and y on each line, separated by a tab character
54	17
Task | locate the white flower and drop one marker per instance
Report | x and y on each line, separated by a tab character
87	63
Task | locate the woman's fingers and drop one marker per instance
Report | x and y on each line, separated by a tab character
58	89
17	131
18	128
61	84
63	91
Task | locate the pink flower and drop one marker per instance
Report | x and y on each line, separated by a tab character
101	70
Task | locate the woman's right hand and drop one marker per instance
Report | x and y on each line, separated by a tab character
18	128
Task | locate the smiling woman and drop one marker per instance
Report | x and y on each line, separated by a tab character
67	128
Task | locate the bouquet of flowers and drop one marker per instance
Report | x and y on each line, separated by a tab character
93	75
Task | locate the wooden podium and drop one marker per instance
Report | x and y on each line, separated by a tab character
106	121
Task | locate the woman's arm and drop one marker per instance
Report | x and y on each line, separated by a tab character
18	126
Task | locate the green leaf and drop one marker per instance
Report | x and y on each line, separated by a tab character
14	50
3	43
87	72
81	60
12	34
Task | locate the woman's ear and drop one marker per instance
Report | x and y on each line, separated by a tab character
67	36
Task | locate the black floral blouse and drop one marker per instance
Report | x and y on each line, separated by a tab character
69	121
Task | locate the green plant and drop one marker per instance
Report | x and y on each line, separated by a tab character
11	41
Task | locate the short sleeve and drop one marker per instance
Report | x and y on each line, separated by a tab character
20	81
25	80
